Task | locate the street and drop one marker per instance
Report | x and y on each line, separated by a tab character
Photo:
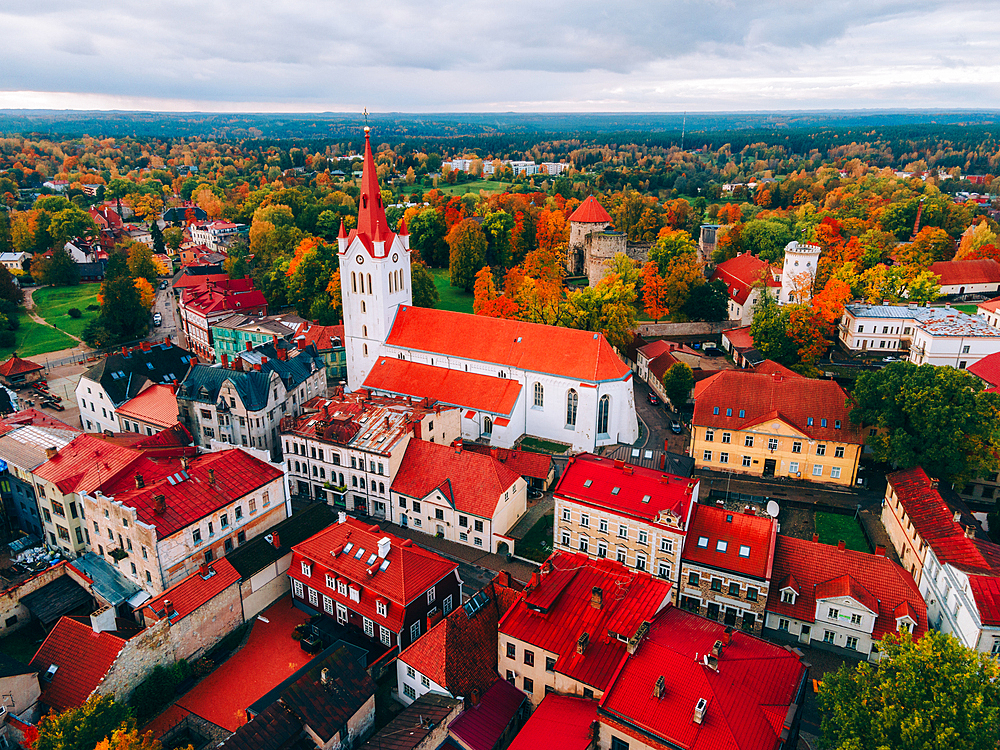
167	307
656	419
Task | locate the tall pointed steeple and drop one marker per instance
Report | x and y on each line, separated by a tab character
371	212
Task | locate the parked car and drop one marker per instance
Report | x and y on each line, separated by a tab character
675	427
534	494
163	284
652	398
157	320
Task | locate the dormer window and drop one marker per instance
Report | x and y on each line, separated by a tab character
381	608
787	596
904	625
306	569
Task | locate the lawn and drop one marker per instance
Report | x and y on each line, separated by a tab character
543	446
52	303
452	297
32	339
832	527
970	309
474	187
537	543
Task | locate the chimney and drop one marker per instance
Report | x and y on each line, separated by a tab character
727	636
416	429
957	516
841	544
970	531
474	697
160	504
383	546
275	540
225	361
257	367
263	360
204	571
659	687
717	648
503	578
168	608
300	342
582	642
324	675
815	537
51	451
103	620
699	710
139	482
457	445
249	347
597	597
880	550
341	517
934	484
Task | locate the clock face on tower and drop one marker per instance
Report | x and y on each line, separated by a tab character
395	257
360	259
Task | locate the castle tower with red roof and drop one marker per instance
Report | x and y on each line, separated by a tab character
592	241
374	276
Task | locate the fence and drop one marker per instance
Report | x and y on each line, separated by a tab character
95	355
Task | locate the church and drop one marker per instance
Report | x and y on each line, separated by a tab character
511	379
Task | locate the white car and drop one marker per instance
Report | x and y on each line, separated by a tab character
157	319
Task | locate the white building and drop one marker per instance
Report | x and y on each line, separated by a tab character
798	273
925	335
217	235
510	378
964	277
745	276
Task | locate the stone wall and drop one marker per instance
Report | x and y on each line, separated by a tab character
723	598
687	329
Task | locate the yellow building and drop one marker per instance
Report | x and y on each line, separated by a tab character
775	423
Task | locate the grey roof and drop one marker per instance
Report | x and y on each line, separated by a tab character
671	463
282	325
258	553
10	667
123	375
53	600
108	581
204	381
937	321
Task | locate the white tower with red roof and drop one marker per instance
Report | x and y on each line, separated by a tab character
374	276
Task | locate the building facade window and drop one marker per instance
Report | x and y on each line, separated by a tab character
603	410
572	402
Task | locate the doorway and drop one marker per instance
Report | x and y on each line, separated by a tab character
769	466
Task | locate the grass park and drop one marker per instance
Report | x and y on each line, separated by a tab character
53	303
452	298
489	186
832	527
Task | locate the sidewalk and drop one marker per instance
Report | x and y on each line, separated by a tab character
526	522
804	493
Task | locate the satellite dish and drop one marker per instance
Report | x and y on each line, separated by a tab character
772	509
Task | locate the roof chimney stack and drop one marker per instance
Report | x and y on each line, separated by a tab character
168	608
51	451
341	517
970	531
841	544
249	346
324	675
211	476
139	482
659	688
582	642
957	516
597	597
699	710
384	544
160	502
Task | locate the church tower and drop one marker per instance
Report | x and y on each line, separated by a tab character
374	276
798	273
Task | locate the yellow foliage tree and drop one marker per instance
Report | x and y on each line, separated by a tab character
146	293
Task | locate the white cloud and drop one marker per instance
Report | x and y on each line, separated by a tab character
478	55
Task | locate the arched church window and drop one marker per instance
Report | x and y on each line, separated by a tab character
572	401
369	283
354	283
364	331
487	426
603	410
366	349
539	394
362	305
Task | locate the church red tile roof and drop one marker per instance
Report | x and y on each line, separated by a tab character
566	352
590	212
822	571
748	697
83	658
956	272
472	482
556	609
453	387
741	273
763	397
196	590
561	722
411	570
372	224
460	652
17	366
626	489
749	541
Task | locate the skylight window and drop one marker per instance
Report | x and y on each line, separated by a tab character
729	518
743	413
588	483
645	498
372	558
348	547
359	553
149	365
703	542
721	546
616	490
384	565
744	550
809	421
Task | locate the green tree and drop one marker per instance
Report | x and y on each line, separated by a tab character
425	293
6	240
625	268
769	329
670	247
61	269
924	288
932	694
427	237
936	417
708	302
123	317
174	238
678	382
237	263
766	238
467	255
158	245
608	307
9	290
140	262
497	226
71	223
84	727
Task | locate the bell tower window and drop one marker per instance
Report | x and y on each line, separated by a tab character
362	306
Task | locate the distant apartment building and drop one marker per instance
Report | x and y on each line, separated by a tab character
217	235
346	450
203	306
231	335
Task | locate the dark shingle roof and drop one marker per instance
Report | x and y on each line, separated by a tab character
123	375
275	728
53	600
414	724
258	553
9	667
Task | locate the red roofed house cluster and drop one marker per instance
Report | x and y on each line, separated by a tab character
205	304
957	570
509	377
745	276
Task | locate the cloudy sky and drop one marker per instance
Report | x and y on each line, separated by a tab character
498	55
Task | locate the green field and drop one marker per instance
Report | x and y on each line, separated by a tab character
537	543
543	446
832	527
52	304
32	339
970	309
452	298
474	187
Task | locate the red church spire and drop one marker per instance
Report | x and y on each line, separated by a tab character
371	212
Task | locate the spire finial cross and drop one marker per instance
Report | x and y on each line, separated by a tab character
365	113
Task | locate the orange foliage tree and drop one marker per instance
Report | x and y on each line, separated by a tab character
654	292
146	293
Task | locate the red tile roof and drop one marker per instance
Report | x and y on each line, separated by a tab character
460	652
641	493
17	366
990	305
555	610
454	387
525	463
659	365
769	367
411	570
36	418
533	347
472	482
764	397
561	722
823	571
986	591
322	336
590	212
739	337
211	481
480	727
741	273
156	405
83	658
748	697
738	530
225	295
952	272
195	281
654	349
197	589
988	369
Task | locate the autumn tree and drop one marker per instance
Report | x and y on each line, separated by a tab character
123	316
467	253
173	238
237	262
678	381
84	727
683	275
669	246
427	237
929	694
130	739
925	287
498	225
608	307
654	293
140	262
